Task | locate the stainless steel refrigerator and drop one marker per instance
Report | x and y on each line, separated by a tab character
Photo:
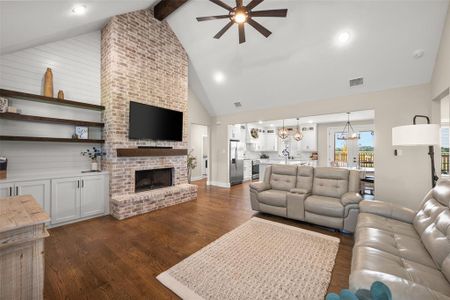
236	163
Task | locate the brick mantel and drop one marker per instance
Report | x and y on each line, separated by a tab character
143	61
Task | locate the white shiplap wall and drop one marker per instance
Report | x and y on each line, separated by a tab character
75	63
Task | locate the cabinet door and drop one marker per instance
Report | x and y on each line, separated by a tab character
6	190
65	199
92	195
39	189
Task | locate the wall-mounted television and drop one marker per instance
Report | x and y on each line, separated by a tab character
155	123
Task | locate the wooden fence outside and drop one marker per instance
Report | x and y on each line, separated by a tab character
445	163
365	158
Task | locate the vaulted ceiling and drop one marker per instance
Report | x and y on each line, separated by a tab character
300	61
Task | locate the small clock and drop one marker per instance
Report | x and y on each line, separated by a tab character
81	132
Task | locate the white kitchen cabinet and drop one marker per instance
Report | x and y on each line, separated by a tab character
78	197
247	169
309	141
92	196
270	141
65	199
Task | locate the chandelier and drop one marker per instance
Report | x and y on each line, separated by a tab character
348	133
283	132
298	135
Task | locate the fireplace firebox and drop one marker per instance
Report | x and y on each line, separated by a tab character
152	179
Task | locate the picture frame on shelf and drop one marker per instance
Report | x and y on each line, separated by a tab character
3	104
82	132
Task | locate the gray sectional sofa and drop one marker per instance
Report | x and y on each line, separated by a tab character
323	196
407	250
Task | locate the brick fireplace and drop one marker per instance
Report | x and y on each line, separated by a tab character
143	61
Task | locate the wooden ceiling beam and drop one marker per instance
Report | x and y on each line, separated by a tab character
165	7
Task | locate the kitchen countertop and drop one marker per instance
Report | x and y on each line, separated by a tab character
283	161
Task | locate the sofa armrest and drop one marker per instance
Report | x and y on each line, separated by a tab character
388	210
299	191
260	186
351	198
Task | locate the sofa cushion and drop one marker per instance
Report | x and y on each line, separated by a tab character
330	182
326	206
273	197
427	214
305	178
436	238
386	224
283	177
400	245
367	258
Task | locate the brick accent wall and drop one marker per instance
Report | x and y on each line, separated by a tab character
143	61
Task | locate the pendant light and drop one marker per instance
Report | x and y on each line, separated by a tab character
298	135
348	133
283	133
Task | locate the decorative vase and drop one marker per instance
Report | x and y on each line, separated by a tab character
61	94
189	174
48	83
94	166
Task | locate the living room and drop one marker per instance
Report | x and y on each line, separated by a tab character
224	149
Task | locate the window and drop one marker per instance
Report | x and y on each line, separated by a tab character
445	138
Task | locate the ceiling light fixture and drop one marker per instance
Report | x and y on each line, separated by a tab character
418	53
348	133
260	122
298	135
343	38
79	9
283	132
219	77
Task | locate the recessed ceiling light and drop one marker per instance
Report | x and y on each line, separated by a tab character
418	53
260	122
343	38
271	125
219	77
79	9
310	121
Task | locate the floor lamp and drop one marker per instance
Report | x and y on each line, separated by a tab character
419	135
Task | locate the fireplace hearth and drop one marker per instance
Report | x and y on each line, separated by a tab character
152	179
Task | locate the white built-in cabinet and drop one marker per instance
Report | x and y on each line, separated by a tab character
267	140
65	199
309	141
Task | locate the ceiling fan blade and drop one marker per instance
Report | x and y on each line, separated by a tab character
238	3
222	31
221	4
270	13
253	4
263	30
241	33
200	19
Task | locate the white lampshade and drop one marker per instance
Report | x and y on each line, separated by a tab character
416	135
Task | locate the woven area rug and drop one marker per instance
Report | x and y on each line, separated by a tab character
260	259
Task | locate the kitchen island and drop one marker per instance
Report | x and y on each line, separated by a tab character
268	162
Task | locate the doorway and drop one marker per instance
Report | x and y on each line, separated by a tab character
199	148
357	153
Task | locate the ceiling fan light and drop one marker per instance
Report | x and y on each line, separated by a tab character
240	17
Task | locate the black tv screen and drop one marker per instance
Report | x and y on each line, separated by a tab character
155	123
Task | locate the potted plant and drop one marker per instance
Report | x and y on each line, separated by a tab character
95	155
191	164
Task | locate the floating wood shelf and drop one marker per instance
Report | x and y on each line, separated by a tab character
48	139
39	119
49	100
134	152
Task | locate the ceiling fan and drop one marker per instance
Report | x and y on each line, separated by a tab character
241	14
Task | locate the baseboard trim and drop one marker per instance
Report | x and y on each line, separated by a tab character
195	178
219	184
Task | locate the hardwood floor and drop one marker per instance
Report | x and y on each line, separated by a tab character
104	258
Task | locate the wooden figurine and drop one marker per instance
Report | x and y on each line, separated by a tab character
61	94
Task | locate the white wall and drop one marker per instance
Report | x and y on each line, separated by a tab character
76	70
441	73
400	179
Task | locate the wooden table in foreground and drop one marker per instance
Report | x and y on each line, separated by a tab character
22	233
